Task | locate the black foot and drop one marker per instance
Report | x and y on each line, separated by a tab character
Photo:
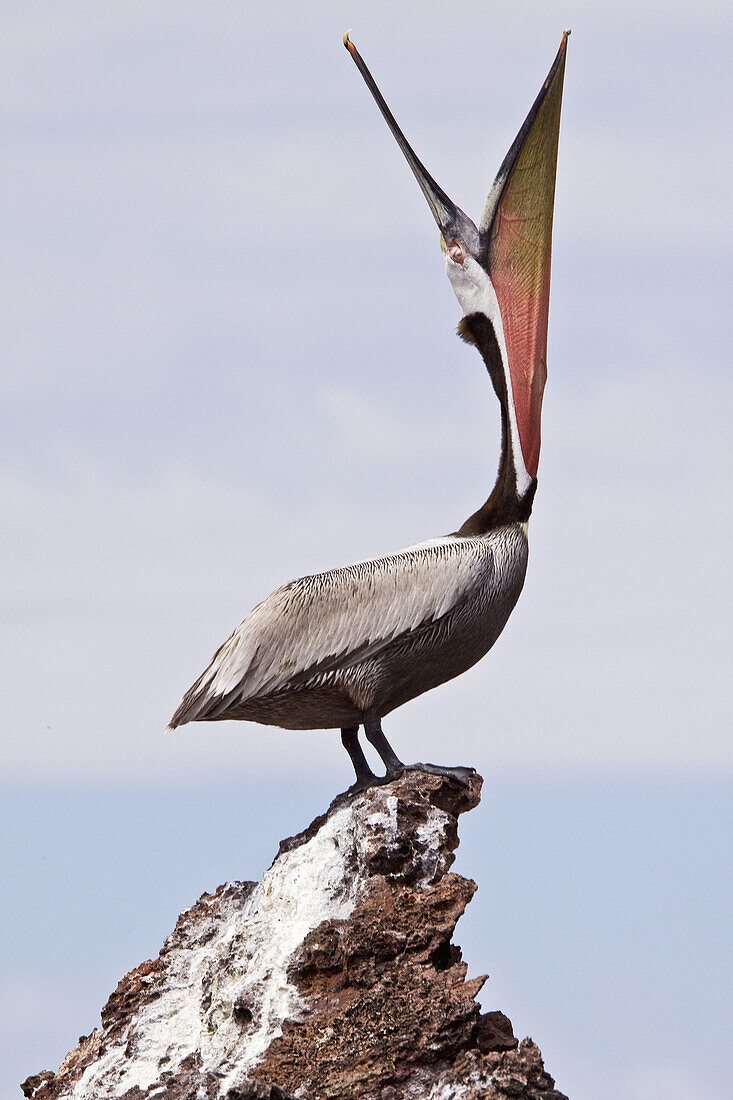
392	763
461	775
363	783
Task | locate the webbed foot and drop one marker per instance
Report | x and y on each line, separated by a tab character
460	774
363	783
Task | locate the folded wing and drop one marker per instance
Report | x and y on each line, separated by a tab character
331	620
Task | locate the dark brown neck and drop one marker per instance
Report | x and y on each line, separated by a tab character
504	504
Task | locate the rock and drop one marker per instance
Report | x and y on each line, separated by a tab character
334	977
32	1084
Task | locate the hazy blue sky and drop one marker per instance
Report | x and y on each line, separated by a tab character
229	360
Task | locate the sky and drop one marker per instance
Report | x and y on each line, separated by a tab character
229	360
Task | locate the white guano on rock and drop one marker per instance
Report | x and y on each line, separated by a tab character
243	959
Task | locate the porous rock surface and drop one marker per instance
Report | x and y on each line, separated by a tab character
334	977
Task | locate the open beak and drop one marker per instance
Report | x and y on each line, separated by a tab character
451	220
513	241
516	242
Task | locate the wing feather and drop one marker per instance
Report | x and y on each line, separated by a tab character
334	619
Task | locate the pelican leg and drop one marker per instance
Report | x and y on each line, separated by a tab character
395	767
373	731
364	774
393	764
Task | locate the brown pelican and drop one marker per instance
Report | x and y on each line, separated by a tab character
342	649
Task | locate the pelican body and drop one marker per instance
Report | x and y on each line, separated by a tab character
342	649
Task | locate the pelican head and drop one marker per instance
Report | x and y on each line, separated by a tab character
501	268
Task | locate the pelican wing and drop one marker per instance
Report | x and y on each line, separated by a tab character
333	619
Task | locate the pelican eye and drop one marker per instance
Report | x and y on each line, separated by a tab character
456	252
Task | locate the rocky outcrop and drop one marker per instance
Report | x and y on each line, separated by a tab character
334	977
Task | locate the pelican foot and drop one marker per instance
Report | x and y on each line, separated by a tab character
365	782
362	785
461	775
